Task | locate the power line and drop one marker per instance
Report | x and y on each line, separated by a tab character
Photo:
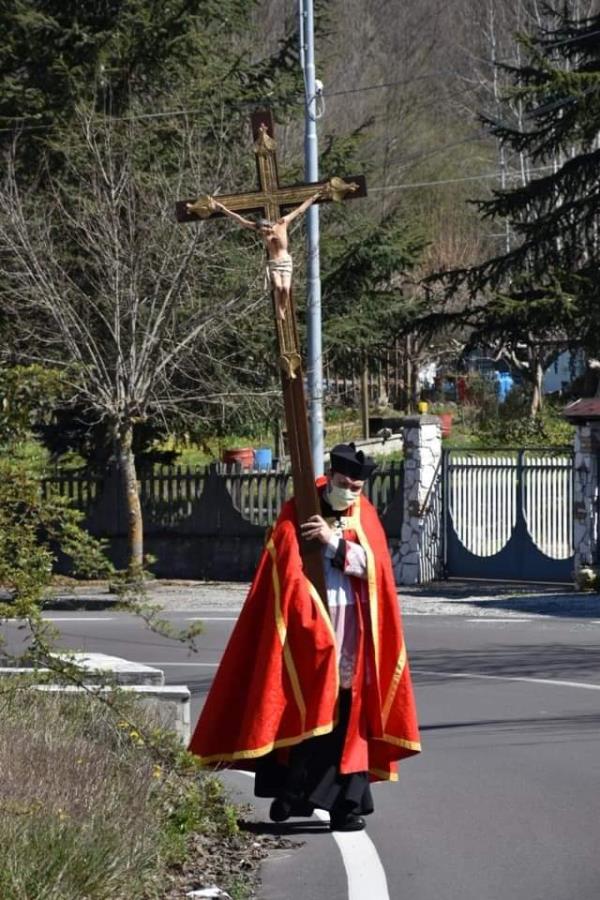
416	184
171	113
386	84
254	103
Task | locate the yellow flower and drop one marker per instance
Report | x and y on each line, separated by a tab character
157	772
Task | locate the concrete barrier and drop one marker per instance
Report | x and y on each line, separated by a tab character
169	702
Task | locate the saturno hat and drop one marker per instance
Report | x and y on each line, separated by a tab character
347	460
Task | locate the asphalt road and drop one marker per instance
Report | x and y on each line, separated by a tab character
503	801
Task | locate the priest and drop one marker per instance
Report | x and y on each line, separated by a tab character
317	701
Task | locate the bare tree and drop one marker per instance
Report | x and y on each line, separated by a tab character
98	281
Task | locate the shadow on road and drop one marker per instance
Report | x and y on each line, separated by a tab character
541	599
549	724
455	588
567	606
285	829
557	660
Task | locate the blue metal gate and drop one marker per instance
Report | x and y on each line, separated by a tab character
509	514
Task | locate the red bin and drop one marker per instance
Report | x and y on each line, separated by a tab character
244	457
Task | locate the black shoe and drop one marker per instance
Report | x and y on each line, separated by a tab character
349	822
280	810
302	808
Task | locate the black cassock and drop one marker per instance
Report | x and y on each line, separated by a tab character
312	778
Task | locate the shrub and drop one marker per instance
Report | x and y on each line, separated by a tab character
512	426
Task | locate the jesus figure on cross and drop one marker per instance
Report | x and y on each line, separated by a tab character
275	239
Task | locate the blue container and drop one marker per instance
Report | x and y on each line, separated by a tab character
263	459
504	385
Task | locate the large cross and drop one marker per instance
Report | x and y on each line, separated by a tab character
273	200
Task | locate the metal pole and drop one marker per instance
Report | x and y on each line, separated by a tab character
311	172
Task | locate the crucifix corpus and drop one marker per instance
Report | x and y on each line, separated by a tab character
279	206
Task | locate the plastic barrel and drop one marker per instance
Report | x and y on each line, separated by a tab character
243	456
263	459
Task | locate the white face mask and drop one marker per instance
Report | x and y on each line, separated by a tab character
341	498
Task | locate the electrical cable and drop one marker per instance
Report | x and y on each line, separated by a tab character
416	184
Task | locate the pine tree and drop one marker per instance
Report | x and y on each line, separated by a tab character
541	292
132	57
368	298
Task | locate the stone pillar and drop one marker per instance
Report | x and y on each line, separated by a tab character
585	495
417	556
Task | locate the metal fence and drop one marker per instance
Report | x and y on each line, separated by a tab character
169	494
514	507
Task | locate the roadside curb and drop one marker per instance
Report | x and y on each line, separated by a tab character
441	598
75	603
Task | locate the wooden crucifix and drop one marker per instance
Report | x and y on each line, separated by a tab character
274	202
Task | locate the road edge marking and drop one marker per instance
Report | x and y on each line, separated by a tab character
583	685
365	875
364	870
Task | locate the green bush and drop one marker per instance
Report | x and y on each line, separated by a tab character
512	426
32	530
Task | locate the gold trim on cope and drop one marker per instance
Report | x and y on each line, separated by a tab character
266	748
399	742
398	671
282	631
385	776
325	616
371	582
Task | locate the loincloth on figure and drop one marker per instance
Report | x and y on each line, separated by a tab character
283	265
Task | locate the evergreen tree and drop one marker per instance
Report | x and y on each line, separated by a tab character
540	293
369	300
134	57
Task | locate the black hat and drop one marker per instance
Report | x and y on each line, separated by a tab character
347	460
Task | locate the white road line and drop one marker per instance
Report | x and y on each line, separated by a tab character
60	619
83	619
479	619
583	685
211	619
208	609
152	663
364	871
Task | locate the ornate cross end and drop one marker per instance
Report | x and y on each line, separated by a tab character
290	363
265	144
337	188
201	207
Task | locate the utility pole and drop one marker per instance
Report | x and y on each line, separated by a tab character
314	360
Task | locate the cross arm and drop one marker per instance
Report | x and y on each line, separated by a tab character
194	209
287	198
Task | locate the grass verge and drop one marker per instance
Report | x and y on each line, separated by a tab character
93	808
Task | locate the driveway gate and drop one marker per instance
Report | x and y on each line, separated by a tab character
509	515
